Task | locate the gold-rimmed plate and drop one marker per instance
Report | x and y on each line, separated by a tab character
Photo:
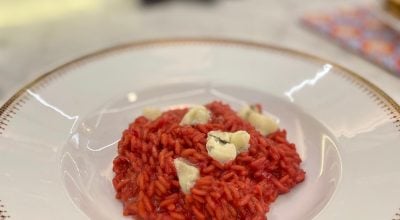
59	133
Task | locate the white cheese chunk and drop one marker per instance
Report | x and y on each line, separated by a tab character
151	113
187	174
196	115
262	123
244	112
220	135
219	151
224	146
241	140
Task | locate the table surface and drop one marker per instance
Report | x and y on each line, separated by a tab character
47	37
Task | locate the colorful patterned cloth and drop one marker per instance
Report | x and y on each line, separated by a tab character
358	30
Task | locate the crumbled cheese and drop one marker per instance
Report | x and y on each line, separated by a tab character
241	140
220	135
196	115
244	112
220	151
262	123
151	113
187	174
224	146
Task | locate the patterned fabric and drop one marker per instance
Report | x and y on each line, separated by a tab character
358	30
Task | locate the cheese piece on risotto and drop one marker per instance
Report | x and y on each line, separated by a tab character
220	151
262	123
241	140
196	115
187	174
224	137
224	146
151	113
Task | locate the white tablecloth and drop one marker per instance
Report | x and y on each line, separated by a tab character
39	43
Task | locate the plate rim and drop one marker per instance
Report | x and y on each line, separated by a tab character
16	101
13	104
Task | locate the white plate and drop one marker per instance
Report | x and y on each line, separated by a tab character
59	133
385	16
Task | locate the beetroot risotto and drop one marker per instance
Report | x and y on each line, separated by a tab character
204	163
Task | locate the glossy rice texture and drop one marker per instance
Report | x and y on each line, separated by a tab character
146	181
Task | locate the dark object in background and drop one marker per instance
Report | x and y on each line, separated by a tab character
393	7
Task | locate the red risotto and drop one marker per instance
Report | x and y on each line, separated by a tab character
147	184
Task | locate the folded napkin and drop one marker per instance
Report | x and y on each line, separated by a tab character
360	31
